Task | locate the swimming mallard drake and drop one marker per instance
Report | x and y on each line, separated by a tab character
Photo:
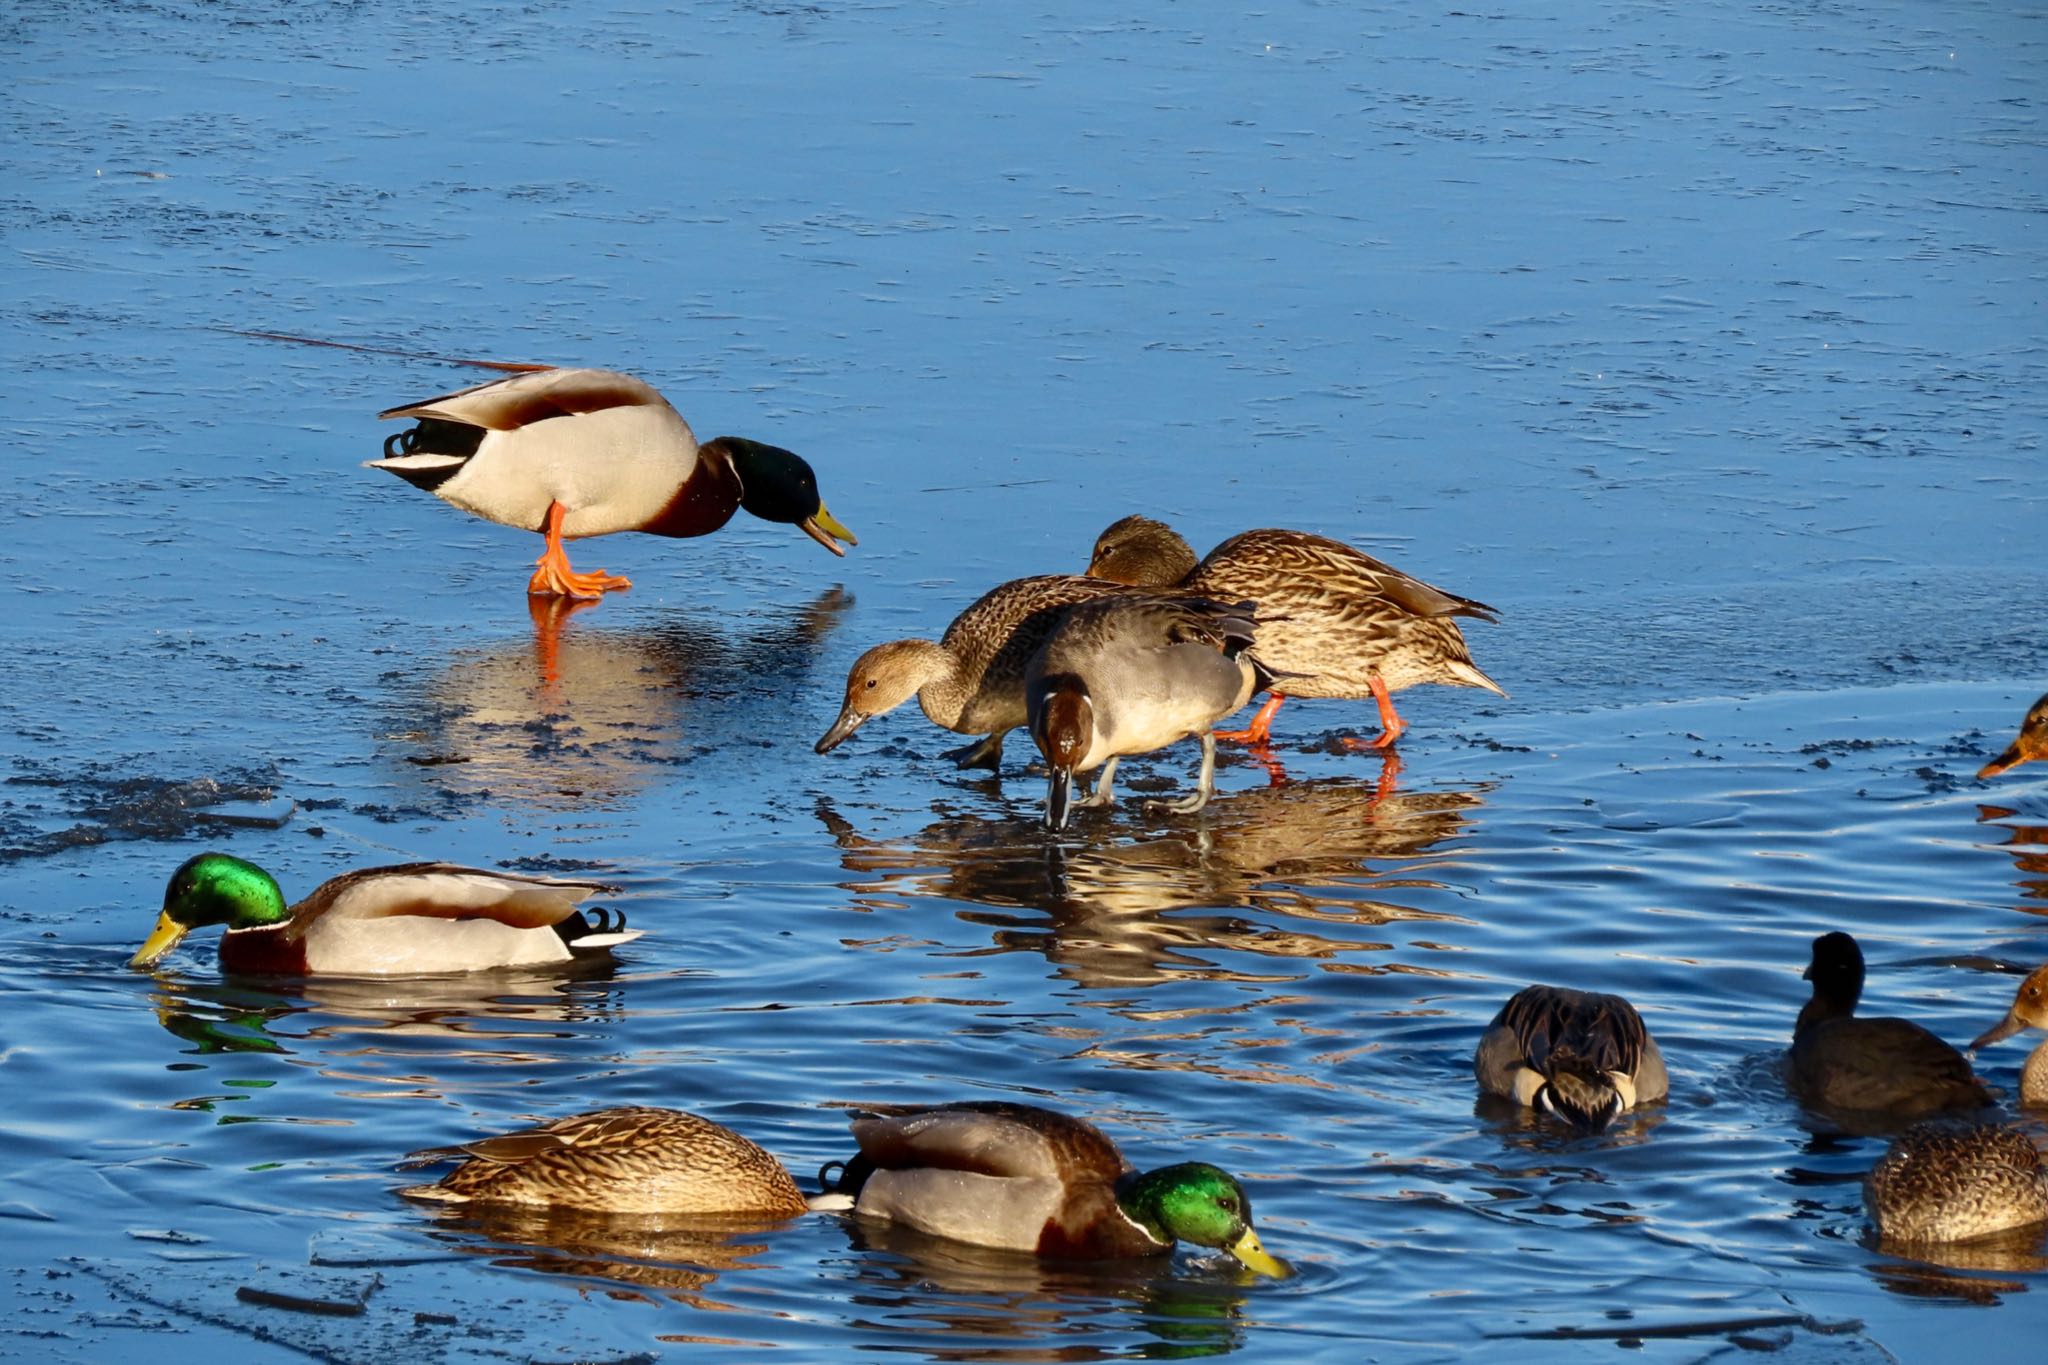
575	453
1334	622
1129	674
637	1160
2029	746
1950	1181
972	680
2029	1010
1841	1060
1021	1178
1577	1055
414	919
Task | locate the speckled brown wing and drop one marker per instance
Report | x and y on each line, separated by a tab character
996	637
633	1160
1949	1181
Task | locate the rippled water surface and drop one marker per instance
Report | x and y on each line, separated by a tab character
1705	341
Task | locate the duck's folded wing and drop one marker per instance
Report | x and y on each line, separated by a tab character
1550	1022
446	891
994	1138
524	399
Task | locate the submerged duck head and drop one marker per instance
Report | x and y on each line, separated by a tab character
2029	747
883	679
1200	1204
1141	552
1063	728
779	485
2029	1010
212	888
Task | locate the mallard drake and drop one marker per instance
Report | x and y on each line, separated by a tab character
414	919
1949	1181
637	1160
1841	1060
1021	1178
1334	622
2029	746
972	680
2029	1010
1579	1056
575	453
1129	674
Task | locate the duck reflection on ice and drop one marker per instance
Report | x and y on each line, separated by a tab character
571	714
1301	852
2029	849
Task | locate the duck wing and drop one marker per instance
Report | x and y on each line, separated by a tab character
1584	1030
990	1137
1280	564
443	891
524	399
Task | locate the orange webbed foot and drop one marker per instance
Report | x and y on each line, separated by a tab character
1261	728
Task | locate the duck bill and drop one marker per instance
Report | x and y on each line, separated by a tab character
849	721
1059	799
161	940
827	530
1248	1250
2011	758
1998	1032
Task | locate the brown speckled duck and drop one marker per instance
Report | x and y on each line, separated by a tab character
575	453
1335	622
1951	1181
2029	746
1579	1056
1021	1178
637	1160
1841	1060
2029	1010
972	680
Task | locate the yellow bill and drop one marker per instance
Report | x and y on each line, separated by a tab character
161	940
1249	1250
823	527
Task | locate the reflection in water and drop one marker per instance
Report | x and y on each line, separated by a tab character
575	715
1300	852
2028	847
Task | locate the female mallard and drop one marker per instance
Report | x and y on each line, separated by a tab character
2030	746
2029	1010
411	920
635	1161
1021	1178
1129	674
972	680
1579	1056
1949	1181
1334	622
574	453
1841	1060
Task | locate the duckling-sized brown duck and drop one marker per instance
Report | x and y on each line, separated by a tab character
1841	1060
1579	1056
1127	675
2029	1010
1951	1181
2030	746
1334	622
1021	1178
638	1160
972	680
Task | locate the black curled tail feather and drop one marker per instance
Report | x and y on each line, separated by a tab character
582	924
852	1176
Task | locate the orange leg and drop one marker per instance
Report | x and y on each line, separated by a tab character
1261	728
552	576
1391	725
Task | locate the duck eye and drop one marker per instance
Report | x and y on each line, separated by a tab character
871	684
1229	1203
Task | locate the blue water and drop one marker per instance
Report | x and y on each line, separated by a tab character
1703	341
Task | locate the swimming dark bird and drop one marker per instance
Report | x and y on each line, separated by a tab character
1842	1060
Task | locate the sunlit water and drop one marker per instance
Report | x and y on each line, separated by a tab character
1703	341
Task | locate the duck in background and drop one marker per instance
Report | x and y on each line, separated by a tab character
1129	674
1020	1178
972	680
576	453
2029	746
1843	1061
1582	1057
414	919
1334	622
2029	1010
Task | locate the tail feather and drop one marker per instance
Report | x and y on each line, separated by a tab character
1464	674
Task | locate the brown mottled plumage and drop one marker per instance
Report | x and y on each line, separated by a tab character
1334	621
972	680
635	1160
1582	1056
1949	1181
1843	1061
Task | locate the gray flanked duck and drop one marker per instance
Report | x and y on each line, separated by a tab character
1335	622
1845	1061
575	453
1579	1056
1129	674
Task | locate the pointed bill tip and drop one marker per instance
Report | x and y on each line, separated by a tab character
161	940
827	530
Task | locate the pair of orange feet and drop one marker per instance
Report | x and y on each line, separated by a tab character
1260	732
